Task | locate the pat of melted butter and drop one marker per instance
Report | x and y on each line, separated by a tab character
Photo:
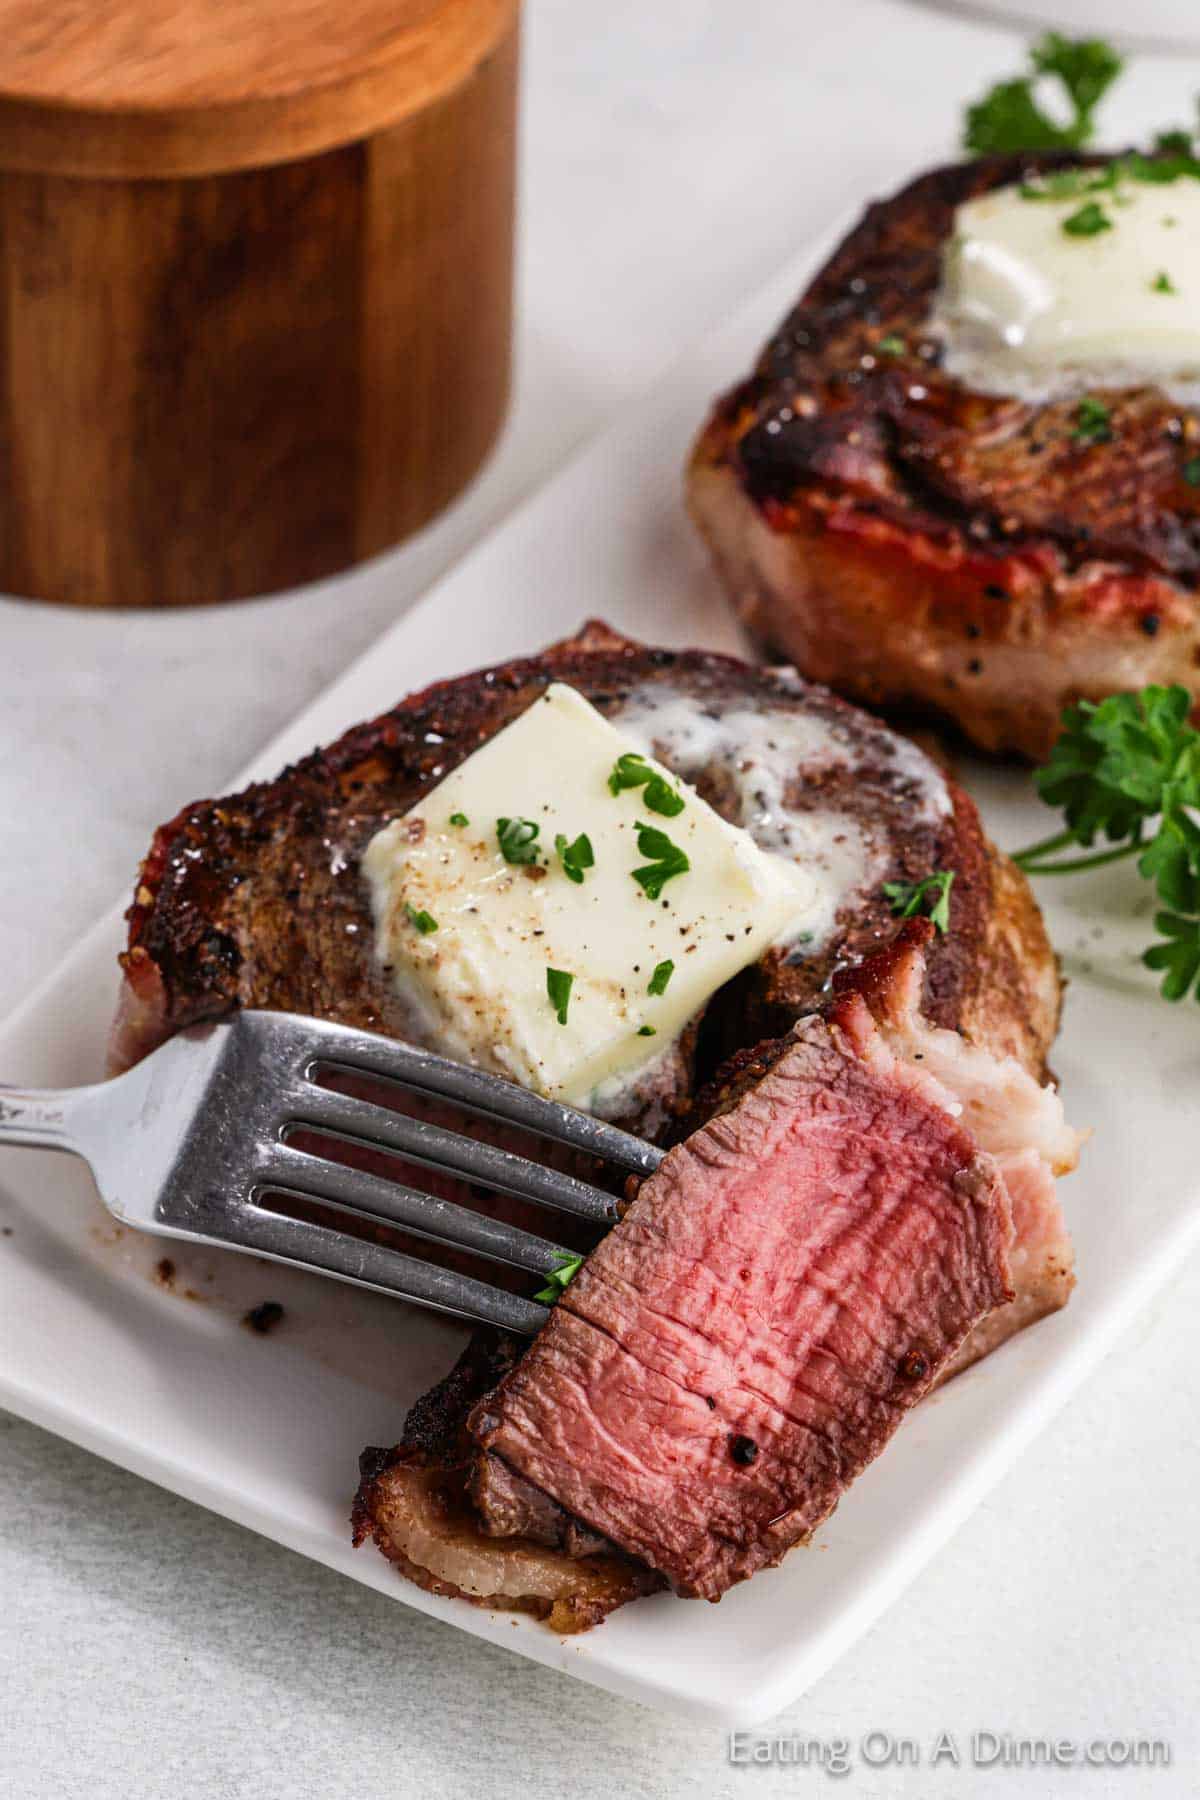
1029	308
477	984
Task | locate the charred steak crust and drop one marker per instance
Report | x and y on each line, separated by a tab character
916	544
256	899
416	1497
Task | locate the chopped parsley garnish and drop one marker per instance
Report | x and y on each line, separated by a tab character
517	839
1162	283
661	976
1009	117
421	920
1088	221
1069	184
558	986
1174	143
1159	170
891	345
931	896
1128	769
633	771
558	1279
669	860
1073	184
459	819
647	1031
1093	422
1191	471
576	857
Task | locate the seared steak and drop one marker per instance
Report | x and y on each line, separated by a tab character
413	1501
257	899
802	1269
921	546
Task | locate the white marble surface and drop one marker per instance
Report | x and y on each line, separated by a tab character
674	155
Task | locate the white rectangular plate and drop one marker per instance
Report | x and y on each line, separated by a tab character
158	1375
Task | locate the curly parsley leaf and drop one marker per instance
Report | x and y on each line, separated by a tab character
517	839
1009	116
576	857
931	896
1128	769
1177	958
669	860
633	771
559	1279
558	987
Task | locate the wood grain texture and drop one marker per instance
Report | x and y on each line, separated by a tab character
224	386
156	88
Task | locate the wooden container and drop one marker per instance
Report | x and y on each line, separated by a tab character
256	295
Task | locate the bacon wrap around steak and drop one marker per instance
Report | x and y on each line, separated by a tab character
927	548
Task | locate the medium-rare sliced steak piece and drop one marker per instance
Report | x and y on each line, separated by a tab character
922	546
876	1014
783	1290
413	1501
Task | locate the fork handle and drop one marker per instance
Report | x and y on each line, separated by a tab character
41	1117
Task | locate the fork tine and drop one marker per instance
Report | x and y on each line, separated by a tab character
337	1046
358	1121
286	1168
353	1259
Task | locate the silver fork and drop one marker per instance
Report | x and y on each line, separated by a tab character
189	1141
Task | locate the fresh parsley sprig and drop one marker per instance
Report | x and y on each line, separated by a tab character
1009	116
1127	770
931	896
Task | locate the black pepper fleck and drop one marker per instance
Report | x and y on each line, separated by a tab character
915	1366
743	1450
1150	623
263	1318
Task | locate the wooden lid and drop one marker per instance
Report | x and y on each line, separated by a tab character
145	88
